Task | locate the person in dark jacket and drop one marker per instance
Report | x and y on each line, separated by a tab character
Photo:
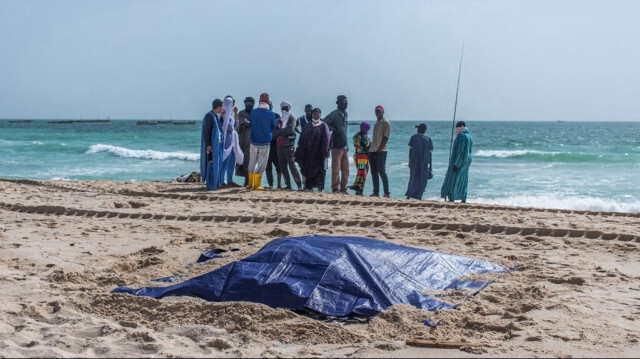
244	135
312	152
286	139
337	121
420	149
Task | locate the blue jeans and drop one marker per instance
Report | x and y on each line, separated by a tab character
228	166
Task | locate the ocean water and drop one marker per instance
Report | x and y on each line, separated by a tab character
565	165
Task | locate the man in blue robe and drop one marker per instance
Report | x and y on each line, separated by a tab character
420	148
455	182
212	147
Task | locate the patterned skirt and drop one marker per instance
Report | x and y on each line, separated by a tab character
362	167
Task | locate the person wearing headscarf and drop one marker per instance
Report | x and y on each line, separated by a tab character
420	148
263	122
286	135
272	162
313	151
244	136
211	147
232	154
456	180
361	143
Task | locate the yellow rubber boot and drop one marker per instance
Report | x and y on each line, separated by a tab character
251	177
257	182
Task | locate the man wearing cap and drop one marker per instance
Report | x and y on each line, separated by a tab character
244	136
456	180
263	122
378	153
337	121
420	148
212	147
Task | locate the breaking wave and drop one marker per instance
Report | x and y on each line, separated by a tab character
545	156
143	154
569	203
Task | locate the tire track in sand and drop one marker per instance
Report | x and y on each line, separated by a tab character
364	203
430	226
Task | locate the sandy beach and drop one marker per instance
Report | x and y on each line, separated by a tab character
66	244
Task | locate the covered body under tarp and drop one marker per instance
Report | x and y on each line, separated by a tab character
335	276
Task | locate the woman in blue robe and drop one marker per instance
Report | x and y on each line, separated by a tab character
212	148
420	148
455	182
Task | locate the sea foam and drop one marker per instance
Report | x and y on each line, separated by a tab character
569	203
513	153
542	156
143	154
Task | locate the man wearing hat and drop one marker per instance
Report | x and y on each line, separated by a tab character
337	121
378	153
420	149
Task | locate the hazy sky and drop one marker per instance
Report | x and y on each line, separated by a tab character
148	59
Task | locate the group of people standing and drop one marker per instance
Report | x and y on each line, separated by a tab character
256	140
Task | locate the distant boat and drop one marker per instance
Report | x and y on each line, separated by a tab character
80	121
165	122
63	121
99	121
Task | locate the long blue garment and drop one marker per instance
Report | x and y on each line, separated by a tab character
211	172
455	184
420	161
228	166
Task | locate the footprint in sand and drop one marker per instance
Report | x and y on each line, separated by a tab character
93	332
6	328
572	280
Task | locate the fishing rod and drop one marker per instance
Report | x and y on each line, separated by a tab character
455	107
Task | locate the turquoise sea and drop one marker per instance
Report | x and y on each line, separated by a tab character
566	165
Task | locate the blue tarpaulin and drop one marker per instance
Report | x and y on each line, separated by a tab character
335	276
